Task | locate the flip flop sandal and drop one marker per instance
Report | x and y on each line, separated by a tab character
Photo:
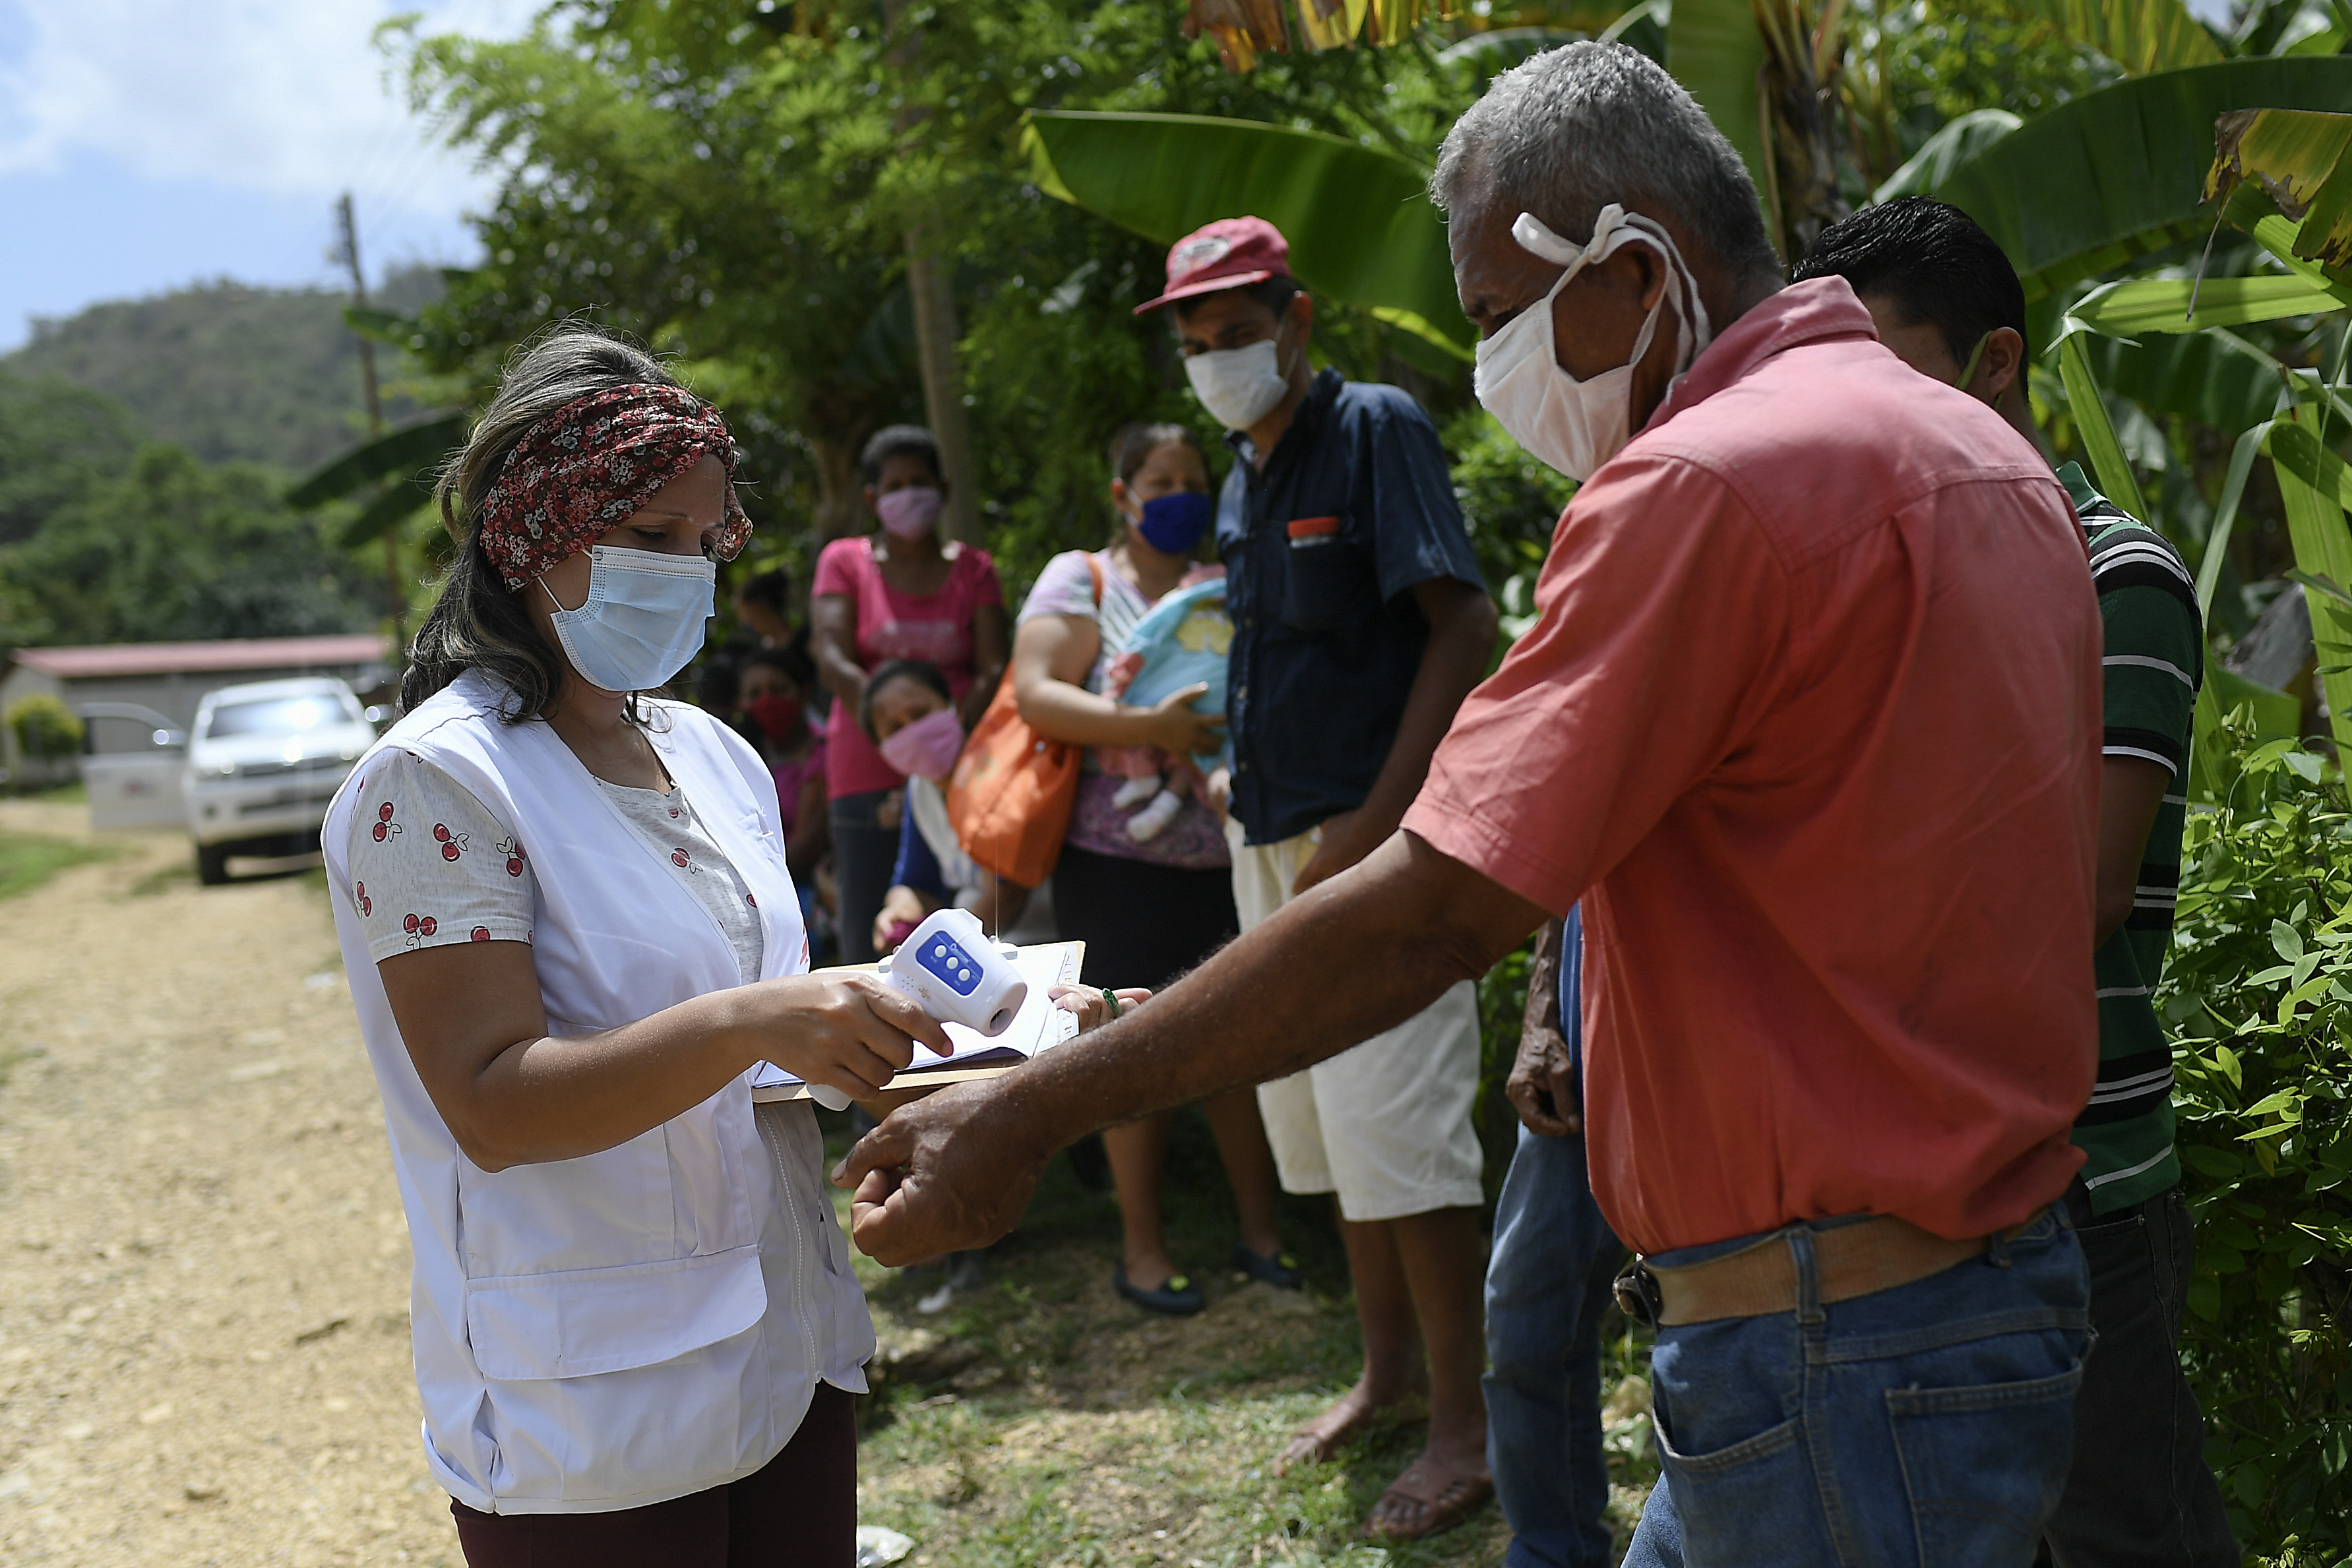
1459	1499
1281	1271
1178	1297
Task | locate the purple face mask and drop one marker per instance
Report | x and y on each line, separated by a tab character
911	512
927	748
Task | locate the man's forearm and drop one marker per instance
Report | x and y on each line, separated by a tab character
1356	956
1461	640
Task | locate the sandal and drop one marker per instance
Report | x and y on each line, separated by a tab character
1460	1496
1281	1271
1177	1298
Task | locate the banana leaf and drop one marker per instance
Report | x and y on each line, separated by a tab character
2117	172
401	500
2141	35
2214	378
399	451
1359	220
2303	161
2314	485
1954	144
1716	50
2162	304
2108	464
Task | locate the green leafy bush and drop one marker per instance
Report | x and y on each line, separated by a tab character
44	728
2258	995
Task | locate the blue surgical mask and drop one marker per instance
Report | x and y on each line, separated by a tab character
1173	524
643	621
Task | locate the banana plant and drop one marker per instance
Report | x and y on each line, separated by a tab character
2291	160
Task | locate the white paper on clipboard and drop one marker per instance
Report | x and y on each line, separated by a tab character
1038	1026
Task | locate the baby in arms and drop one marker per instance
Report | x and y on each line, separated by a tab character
1182	642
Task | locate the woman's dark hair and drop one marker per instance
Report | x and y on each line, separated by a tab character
1135	444
478	623
921	670
790	660
716	683
899	441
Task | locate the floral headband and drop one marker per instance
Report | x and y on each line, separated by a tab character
587	467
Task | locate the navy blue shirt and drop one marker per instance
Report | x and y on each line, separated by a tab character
1354	507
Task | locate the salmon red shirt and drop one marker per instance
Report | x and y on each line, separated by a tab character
1810	722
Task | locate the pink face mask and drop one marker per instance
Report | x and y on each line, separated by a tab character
911	513
929	747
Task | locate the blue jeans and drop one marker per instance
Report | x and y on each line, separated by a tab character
1930	1425
1547	1287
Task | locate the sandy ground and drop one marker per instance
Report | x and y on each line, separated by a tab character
204	1273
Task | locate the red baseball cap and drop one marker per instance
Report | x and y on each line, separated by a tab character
1232	252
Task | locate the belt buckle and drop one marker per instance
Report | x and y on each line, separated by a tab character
1638	1294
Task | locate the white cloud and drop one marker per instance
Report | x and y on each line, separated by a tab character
280	98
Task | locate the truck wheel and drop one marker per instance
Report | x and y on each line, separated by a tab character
212	864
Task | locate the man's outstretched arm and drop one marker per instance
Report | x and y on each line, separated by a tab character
1359	954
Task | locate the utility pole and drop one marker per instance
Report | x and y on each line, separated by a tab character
931	285
394	587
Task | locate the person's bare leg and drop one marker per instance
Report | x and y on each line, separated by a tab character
1249	1165
1137	1152
1393	1364
1438	1254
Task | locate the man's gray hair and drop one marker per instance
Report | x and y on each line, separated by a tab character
1574	128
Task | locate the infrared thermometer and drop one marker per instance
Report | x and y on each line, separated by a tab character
955	974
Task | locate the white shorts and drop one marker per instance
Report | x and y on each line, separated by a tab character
1386	1125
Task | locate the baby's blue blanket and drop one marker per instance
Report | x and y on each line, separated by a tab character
1184	639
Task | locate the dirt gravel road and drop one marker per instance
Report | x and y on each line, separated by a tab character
204	1272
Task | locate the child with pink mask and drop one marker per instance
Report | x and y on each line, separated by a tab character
906	712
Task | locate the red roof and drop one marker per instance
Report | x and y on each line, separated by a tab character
190	658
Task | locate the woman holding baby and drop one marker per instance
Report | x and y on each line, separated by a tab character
1144	878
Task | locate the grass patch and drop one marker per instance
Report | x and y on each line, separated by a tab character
73	794
1041	1420
28	860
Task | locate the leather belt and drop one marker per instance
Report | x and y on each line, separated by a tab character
1857	1259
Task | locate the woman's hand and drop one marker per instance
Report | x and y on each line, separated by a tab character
844	1029
1177	729
1095	1007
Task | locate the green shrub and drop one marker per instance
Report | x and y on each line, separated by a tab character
44	728
2258	995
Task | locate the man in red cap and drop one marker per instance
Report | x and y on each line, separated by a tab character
1359	624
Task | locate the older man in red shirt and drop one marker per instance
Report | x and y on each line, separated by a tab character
1809	721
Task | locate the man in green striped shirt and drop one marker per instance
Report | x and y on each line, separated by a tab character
1947	302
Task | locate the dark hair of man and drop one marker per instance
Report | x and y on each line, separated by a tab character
899	441
478	623
921	670
1136	443
1932	261
769	588
1274	293
788	661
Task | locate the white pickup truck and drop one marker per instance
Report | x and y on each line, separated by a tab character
262	761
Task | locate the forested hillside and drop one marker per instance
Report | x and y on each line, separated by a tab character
231	372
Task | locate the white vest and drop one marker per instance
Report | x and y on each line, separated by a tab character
635	1326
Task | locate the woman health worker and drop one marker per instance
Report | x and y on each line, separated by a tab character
569	932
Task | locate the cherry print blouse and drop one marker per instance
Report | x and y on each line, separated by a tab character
430	865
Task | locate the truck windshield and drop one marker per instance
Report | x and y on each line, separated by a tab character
274	716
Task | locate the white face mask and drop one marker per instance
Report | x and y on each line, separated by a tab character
643	620
1575	426
1238	386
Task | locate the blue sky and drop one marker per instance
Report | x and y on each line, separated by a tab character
145	144
149	143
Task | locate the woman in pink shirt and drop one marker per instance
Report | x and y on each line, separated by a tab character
901	593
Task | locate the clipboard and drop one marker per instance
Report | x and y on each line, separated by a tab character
1038	1026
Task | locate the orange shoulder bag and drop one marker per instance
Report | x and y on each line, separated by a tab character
1010	797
